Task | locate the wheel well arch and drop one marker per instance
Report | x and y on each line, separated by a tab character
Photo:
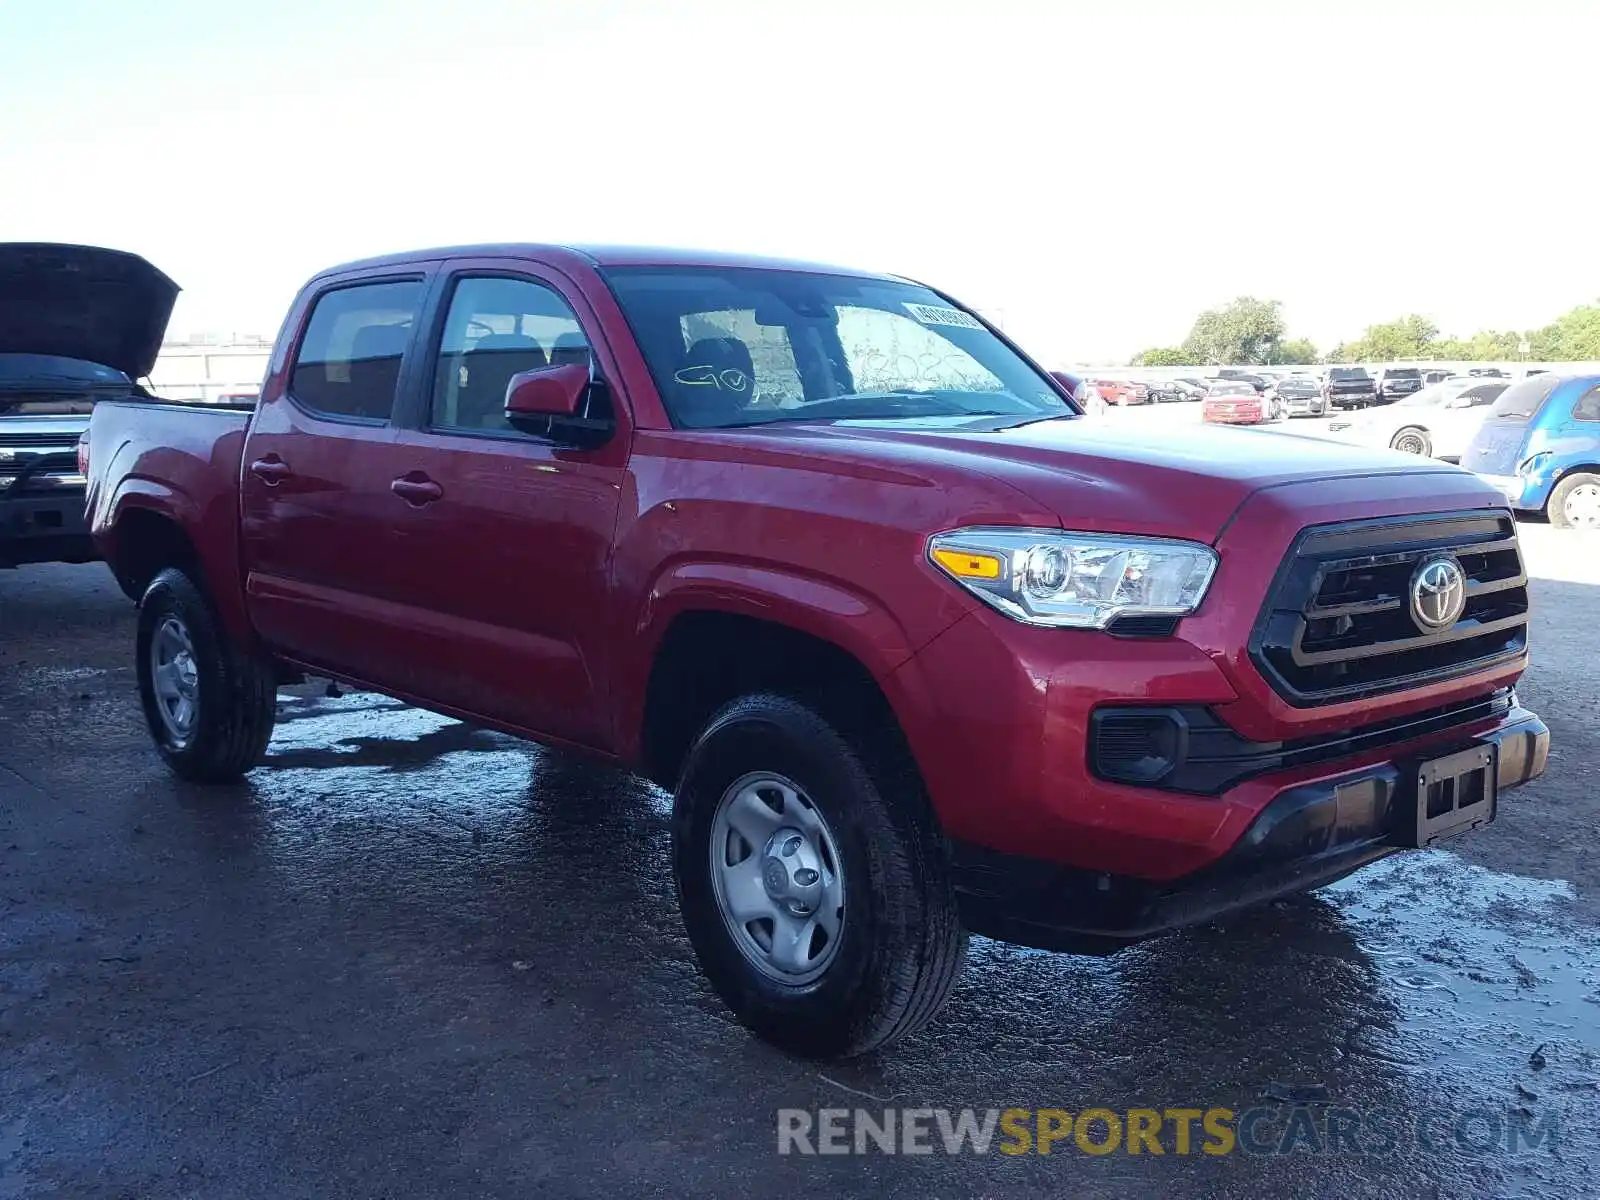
144	544
707	658
1565	473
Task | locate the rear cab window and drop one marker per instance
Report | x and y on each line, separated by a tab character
1521	401
348	364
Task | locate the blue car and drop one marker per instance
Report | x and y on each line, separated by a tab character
1540	445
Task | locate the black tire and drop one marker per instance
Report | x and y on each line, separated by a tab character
235	695
900	945
1412	439
1556	508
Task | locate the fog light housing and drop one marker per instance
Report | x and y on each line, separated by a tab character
1137	745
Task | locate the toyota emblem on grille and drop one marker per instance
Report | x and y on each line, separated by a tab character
1438	593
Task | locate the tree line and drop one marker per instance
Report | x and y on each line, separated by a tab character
1248	331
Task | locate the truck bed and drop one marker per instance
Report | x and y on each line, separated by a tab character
178	458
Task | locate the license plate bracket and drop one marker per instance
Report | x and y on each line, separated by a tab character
1452	795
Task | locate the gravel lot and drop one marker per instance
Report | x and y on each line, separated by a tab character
410	958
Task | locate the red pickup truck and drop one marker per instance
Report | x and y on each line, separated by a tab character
918	650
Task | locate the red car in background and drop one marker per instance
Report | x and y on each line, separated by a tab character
1122	391
1235	402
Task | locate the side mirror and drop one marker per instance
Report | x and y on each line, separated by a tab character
553	403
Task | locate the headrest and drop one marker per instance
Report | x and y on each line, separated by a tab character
380	341
570	348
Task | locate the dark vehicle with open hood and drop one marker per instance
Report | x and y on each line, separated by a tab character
78	325
917	649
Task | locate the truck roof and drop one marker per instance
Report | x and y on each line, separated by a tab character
603	256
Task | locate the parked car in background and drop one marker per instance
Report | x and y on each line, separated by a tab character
1394	382
1235	402
1167	391
1439	421
1122	392
1257	381
1435	375
78	324
1540	445
1349	387
1299	396
1488	372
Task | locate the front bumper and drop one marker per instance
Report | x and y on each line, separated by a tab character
1311	832
44	526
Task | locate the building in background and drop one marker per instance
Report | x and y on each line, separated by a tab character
212	367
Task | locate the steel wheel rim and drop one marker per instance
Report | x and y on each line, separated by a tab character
1582	506
175	680
777	878
1410	444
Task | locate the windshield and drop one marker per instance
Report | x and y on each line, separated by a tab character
747	346
47	370
43	385
1403	373
1348	373
1521	400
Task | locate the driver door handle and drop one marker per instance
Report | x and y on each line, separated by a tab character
416	489
271	470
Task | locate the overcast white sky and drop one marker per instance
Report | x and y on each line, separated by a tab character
1091	174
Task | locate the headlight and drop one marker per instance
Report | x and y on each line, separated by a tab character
1080	580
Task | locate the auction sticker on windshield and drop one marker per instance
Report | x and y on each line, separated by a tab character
933	314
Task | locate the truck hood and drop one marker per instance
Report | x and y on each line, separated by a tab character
1104	477
85	302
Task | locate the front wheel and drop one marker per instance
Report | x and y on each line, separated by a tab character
210	707
814	886
1575	502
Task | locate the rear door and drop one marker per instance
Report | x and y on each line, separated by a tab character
318	507
508	565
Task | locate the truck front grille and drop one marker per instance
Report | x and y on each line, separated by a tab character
1339	625
31	439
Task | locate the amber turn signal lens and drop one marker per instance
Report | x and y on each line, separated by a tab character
965	565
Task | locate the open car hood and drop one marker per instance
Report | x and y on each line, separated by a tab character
86	302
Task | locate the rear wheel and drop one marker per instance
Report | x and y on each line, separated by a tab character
210	707
812	880
1413	440
1575	502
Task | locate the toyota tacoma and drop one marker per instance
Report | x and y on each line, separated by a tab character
917	649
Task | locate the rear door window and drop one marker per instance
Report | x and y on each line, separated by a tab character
348	366
1521	401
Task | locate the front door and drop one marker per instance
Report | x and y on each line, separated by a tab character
509	551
